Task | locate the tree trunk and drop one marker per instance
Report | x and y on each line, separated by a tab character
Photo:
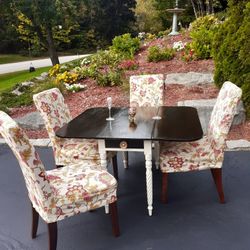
201	7
51	46
195	12
210	9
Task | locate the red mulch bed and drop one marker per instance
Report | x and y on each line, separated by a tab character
95	96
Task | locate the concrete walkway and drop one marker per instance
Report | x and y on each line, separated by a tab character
13	67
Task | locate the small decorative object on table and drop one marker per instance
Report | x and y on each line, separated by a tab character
131	117
131	114
109	101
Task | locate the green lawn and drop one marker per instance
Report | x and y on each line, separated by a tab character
10	79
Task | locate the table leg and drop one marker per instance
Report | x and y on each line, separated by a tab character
103	155
157	154
103	158
149	179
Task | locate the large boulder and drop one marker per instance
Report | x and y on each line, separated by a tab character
205	107
31	120
189	79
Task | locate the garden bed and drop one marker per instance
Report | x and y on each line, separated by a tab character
94	95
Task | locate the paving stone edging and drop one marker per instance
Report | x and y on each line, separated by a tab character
232	145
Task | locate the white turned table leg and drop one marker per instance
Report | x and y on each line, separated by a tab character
157	154
149	179
103	157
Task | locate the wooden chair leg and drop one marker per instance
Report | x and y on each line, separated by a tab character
52	231
115	166
164	187
217	176
35	219
114	219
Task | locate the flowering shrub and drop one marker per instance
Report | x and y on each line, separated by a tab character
146	36
178	46
85	61
75	87
67	77
54	70
128	65
188	53
141	35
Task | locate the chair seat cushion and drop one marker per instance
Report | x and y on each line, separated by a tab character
187	156
79	188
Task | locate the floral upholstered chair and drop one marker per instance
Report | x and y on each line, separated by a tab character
146	91
207	153
55	113
63	192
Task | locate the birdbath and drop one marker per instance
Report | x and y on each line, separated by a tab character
175	12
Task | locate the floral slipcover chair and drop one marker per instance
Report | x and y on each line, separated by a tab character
208	152
146	91
59	193
55	113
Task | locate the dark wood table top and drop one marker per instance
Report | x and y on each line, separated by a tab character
177	124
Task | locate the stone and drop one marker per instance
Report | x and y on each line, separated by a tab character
16	92
205	107
235	145
31	120
42	77
24	84
189	79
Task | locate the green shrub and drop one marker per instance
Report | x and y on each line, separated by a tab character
156	54
104	68
125	45
206	22
110	78
231	49
202	31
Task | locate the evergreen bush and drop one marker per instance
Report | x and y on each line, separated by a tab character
231	49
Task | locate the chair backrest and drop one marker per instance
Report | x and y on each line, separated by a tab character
54	111
146	90
32	168
223	114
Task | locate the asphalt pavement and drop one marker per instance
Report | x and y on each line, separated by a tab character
19	66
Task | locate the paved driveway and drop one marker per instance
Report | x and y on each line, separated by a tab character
13	67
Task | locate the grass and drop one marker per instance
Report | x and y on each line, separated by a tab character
10	79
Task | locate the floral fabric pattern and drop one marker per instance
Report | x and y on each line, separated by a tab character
55	114
207	152
146	90
59	193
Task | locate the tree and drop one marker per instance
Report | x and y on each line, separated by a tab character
147	17
42	21
110	18
8	34
207	7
